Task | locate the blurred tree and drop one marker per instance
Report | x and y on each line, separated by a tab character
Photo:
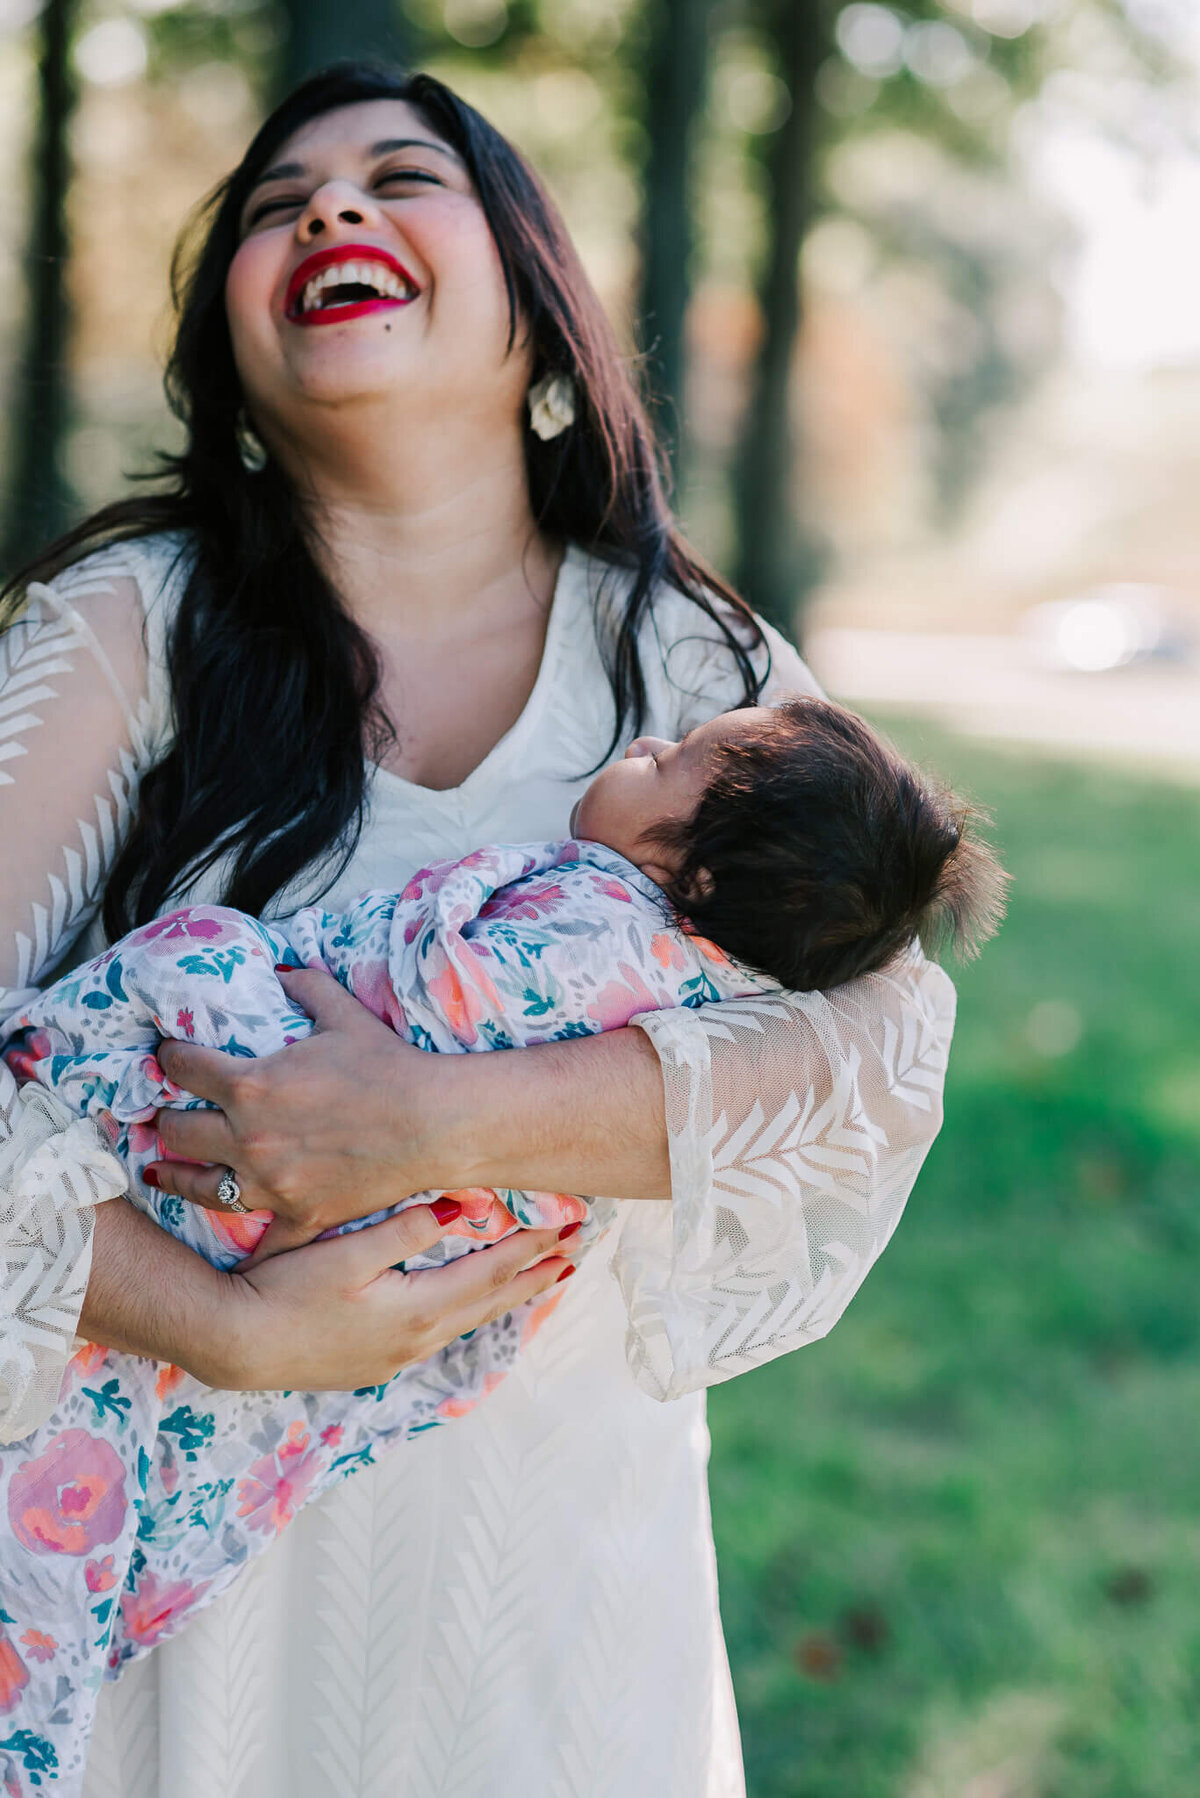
775	562
322	31
948	74
39	501
673	100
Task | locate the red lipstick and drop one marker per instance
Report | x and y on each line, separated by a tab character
349	254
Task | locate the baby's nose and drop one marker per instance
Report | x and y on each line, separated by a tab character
647	746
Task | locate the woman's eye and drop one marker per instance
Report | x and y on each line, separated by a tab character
270	206
408	175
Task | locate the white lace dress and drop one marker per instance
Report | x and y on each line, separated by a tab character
524	1602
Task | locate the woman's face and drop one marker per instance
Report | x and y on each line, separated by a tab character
367	271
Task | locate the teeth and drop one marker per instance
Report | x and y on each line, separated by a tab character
385	281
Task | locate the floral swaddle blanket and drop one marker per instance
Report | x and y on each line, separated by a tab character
146	1492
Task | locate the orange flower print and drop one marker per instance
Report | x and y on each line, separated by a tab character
14	1675
41	1647
69	1499
169	1376
667	952
278	1484
86	1360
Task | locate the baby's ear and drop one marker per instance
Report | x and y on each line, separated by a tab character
700	886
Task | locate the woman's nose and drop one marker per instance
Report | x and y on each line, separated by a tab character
336	203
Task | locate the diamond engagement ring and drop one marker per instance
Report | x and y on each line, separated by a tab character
230	1193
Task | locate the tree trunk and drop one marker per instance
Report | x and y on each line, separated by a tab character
40	501
676	81
776	564
322	31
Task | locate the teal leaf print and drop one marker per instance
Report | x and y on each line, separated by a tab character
112	981
96	1002
109	1402
35	1751
193	1430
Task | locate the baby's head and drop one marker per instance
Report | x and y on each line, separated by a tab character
798	841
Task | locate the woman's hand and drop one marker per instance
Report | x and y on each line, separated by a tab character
351	1120
338	1315
348	1121
333	1316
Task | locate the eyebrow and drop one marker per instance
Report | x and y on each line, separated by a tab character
291	171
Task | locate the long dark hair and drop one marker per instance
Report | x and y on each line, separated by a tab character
275	687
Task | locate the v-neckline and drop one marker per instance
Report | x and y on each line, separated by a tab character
573	560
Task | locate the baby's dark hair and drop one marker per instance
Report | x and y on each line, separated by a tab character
817	854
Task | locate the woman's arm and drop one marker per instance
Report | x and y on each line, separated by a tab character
352	1110
331	1317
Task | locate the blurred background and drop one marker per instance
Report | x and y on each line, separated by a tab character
916	290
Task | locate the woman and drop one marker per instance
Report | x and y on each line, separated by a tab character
413	625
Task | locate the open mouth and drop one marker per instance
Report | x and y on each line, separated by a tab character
346	282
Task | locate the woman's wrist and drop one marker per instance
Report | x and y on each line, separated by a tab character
151	1295
581	1116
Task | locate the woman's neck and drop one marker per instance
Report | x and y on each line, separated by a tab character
437	530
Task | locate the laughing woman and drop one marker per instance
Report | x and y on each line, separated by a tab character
410	581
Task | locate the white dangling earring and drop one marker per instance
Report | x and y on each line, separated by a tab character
250	448
551	406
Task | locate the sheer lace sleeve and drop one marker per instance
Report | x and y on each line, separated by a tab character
79	719
798	1124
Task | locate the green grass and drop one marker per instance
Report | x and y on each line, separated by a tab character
959	1541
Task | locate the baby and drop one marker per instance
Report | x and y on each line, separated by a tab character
785	846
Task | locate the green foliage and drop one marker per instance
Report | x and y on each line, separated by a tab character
957	1540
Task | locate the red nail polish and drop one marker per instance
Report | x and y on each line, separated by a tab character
565	1274
570	1229
446	1210
284	967
152	1179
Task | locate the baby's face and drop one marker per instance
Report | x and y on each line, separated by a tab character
657	782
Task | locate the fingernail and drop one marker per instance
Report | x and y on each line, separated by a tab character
570	1229
284	967
446	1210
152	1179
566	1273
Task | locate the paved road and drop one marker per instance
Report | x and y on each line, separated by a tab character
993	686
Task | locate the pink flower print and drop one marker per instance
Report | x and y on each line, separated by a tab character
241	1234
35	1046
612	889
168	1473
41	1646
71	1498
525	901
621	1000
666	951
332	1434
146	1612
208	926
14	1675
144	1140
485	1217
277	1485
186	1022
99	1575
460	1000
